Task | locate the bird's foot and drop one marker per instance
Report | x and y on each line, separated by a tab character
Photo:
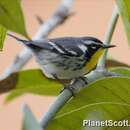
64	85
84	79
71	89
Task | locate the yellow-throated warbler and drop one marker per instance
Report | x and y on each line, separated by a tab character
67	57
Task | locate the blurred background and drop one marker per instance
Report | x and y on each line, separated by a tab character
91	19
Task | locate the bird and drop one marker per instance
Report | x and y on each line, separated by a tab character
66	57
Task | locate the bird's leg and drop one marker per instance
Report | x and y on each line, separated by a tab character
73	81
59	80
84	80
64	85
79	78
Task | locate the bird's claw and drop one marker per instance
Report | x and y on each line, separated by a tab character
71	89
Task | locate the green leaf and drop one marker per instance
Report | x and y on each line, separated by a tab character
29	121
11	16
106	99
24	82
124	9
31	81
122	70
2	36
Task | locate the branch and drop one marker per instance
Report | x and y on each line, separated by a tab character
58	17
108	37
66	95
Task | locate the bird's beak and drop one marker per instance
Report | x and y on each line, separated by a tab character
104	46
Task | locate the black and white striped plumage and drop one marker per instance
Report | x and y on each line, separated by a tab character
71	46
66	57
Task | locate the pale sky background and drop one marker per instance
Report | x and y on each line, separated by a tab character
91	19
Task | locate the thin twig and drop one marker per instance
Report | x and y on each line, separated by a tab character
39	19
108	36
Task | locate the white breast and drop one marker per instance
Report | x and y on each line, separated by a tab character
48	63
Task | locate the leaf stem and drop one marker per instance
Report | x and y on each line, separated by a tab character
108	37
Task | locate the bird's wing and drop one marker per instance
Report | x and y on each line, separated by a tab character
69	46
76	46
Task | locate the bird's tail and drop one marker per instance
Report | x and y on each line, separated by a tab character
18	39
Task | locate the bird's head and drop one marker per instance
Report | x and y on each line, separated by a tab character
95	47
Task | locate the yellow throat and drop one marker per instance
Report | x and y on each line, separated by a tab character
93	61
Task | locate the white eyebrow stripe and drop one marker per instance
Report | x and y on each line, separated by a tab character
88	42
56	47
82	47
